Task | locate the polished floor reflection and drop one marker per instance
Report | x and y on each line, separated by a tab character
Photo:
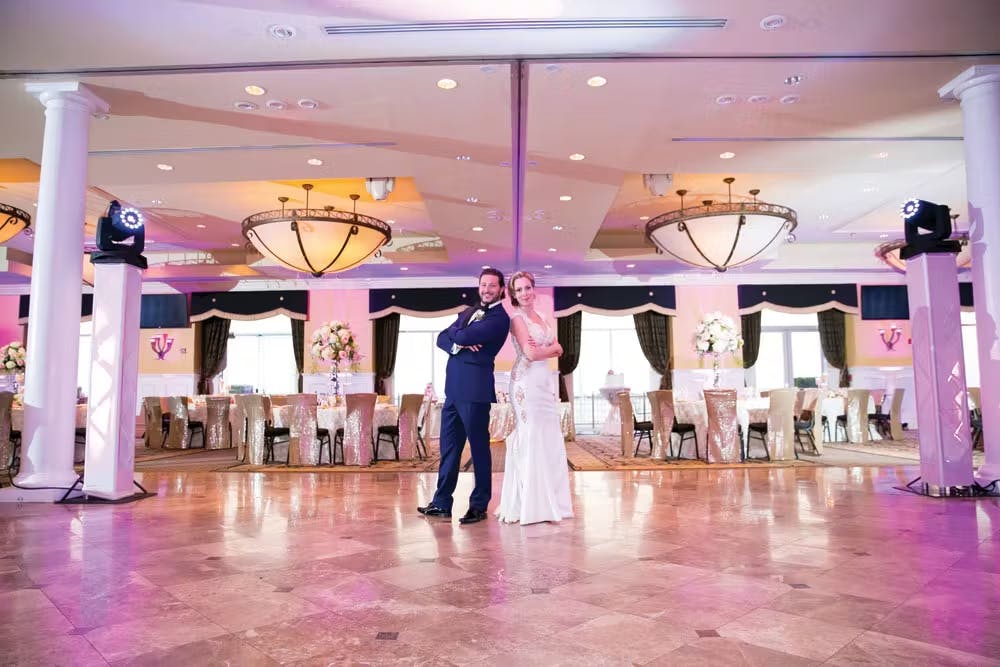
740	567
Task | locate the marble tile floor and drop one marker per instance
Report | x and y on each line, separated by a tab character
779	566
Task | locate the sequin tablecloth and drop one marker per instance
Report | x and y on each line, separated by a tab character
333	418
695	412
501	420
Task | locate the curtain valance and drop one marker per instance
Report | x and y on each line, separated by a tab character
86	308
798	298
249	305
615	300
420	302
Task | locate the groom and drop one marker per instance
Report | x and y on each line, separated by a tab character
472	342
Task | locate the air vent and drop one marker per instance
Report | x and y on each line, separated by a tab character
525	24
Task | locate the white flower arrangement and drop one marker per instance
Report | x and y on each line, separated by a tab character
12	358
717	334
333	342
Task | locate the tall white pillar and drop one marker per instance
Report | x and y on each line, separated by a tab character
978	89
56	278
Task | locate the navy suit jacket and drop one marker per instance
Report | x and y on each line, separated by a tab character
469	375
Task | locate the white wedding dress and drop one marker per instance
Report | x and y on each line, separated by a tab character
536	479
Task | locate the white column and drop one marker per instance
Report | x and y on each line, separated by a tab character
114	376
978	89
57	271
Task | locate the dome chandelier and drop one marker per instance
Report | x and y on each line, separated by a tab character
722	235
14	221
889	252
316	241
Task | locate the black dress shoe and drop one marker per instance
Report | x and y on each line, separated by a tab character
432	510
472	516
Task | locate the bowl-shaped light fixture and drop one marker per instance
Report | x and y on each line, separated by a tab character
12	222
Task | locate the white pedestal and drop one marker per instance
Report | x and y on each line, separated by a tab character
110	459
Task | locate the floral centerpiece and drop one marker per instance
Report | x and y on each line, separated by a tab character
333	343
717	334
12	357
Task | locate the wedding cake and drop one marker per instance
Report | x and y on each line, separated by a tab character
614	380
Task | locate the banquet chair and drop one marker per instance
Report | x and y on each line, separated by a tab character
360	414
780	422
182	428
855	421
238	425
272	433
805	422
631	433
156	421
423	421
306	437
661	402
643	429
405	429
880	418
723	424
218	431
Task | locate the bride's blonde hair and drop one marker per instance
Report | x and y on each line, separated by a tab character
513	279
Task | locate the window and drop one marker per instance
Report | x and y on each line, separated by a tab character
260	356
610	343
789	349
418	358
83	363
970	346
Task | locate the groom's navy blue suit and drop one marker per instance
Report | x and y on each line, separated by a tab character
469	391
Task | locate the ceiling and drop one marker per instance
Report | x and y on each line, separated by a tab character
480	169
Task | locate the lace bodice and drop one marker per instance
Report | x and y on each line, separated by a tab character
542	333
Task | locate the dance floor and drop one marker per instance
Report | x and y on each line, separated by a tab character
742	566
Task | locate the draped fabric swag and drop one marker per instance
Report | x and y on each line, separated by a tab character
750	325
386	341
570	328
214	335
654	332
298	342
833	339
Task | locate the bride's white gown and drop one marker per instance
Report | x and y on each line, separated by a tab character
535	480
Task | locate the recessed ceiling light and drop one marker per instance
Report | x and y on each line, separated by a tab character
565	198
254	90
446	84
281	31
200	226
794	80
480	249
314	161
488	69
630	266
477	228
155	202
552	250
870	187
644	217
883	236
150	241
487	266
728	155
243	105
557	228
472	200
772	22
275	105
390	222
577	156
547	266
725	99
596	81
789	99
463	158
235	245
307	103
165	167
758	99
824	216
883	155
404	268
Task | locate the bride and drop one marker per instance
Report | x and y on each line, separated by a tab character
535	481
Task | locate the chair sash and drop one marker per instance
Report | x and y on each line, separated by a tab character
178	435
723	426
895	414
628	424
358	429
857	415
303	447
409	418
153	413
781	423
217	432
256	411
661	403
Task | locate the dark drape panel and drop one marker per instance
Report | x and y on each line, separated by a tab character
298	341
386	340
833	338
569	328
214	341
751	338
653	330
